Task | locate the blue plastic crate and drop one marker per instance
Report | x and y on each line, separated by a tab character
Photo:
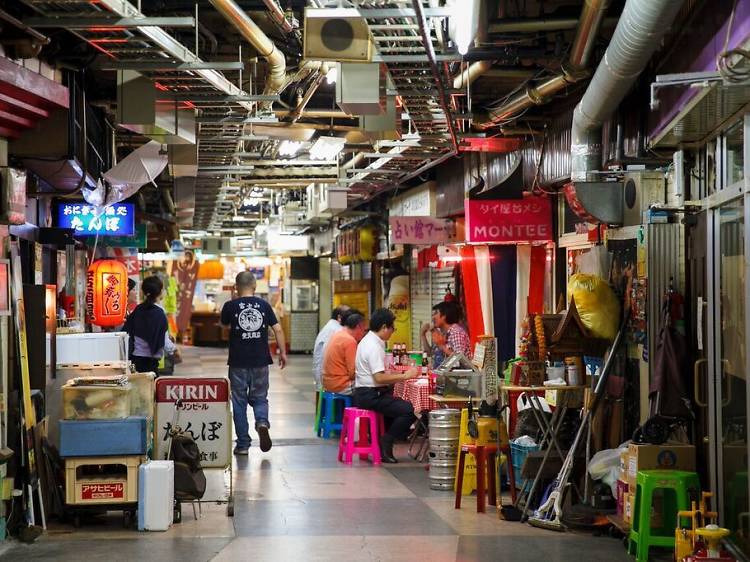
518	454
100	438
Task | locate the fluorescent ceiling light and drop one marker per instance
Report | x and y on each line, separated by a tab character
289	148
327	148
332	75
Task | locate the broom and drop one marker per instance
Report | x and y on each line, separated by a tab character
549	514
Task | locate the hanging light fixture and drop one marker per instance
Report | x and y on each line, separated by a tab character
107	293
289	148
211	269
327	148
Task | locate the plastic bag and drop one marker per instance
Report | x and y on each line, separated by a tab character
597	304
605	466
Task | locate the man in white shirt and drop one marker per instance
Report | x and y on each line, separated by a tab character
332	326
373	390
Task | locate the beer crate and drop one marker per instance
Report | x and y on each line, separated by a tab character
102	480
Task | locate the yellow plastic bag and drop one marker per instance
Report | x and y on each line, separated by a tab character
597	304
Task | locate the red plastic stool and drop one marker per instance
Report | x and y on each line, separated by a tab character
485	456
370	422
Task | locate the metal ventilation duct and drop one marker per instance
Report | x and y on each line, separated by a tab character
642	25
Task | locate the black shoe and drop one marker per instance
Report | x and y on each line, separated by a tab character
386	450
265	438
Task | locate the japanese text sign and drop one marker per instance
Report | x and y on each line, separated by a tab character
204	414
116	220
421	230
509	220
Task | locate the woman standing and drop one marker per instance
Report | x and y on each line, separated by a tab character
147	328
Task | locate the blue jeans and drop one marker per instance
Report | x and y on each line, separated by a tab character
249	386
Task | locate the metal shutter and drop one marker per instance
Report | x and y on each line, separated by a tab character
441	278
421	303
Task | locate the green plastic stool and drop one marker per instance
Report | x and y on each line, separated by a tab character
318	400
679	488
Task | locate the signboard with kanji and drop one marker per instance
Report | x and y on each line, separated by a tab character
204	414
421	230
115	220
509	220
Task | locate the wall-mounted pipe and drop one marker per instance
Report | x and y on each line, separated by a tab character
642	25
573	70
276	79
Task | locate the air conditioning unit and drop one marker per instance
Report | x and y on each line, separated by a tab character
293	214
218	245
360	88
339	34
641	190
332	200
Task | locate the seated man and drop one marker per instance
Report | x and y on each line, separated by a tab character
340	354
373	389
331	327
446	317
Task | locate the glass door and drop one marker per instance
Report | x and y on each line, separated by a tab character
727	367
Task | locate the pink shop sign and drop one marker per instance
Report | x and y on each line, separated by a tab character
421	230
509	220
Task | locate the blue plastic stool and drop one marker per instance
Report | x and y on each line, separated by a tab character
330	418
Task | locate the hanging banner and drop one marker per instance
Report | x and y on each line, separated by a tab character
421	230
398	302
509	221
186	273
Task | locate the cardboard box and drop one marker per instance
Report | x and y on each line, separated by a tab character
658	457
624	457
629	505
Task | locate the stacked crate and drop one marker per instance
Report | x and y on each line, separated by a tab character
105	434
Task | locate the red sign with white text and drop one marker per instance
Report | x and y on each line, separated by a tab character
509	220
103	491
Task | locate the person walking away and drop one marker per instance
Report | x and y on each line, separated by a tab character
147	328
340	354
334	325
373	384
446	317
249	318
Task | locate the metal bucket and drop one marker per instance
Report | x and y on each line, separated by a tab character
442	474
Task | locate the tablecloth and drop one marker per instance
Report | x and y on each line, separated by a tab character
416	391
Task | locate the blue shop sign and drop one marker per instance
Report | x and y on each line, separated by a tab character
117	219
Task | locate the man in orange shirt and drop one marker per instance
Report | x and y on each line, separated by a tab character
340	353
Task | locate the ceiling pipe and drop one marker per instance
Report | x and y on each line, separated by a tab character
278	15
276	79
537	25
316	82
573	70
642	25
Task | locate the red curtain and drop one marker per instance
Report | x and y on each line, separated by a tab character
536	279
472	302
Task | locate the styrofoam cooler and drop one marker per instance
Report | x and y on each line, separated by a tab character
91	348
155	495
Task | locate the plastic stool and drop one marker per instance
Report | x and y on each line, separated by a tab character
327	419
679	488
368	421
485	456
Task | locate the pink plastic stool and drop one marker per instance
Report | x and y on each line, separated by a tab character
371	422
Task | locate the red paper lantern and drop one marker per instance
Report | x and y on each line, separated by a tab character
107	293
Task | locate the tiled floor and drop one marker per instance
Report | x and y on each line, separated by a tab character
298	503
